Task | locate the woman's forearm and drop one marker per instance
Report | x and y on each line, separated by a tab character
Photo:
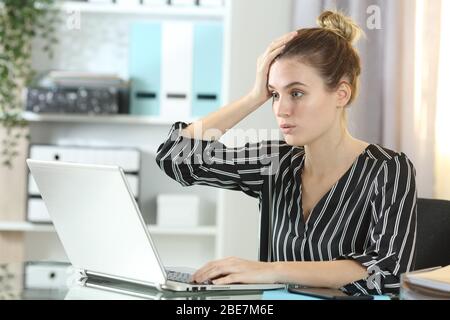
215	124
327	274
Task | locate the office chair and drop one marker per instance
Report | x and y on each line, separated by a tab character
433	233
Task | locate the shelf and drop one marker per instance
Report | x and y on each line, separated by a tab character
192	231
25	226
154	230
148	10
106	119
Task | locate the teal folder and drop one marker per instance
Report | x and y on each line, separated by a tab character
145	68
207	67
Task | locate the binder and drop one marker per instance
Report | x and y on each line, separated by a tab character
176	68
145	68
208	60
176	75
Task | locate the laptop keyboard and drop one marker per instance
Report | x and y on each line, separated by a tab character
179	276
184	277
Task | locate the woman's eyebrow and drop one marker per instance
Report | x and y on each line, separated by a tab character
296	83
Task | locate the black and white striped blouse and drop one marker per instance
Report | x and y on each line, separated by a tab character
369	214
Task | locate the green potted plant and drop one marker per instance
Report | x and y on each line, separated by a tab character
20	22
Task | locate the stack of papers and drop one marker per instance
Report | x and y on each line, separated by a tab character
77	79
427	284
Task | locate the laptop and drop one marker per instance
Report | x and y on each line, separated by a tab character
102	230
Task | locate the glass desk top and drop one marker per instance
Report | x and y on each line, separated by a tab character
56	281
60	281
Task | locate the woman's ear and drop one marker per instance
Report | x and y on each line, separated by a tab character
343	94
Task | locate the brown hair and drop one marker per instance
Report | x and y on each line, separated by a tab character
329	49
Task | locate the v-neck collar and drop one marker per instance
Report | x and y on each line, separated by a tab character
326	195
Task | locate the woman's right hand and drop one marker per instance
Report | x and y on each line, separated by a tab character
260	92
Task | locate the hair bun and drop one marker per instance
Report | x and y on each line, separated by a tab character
340	24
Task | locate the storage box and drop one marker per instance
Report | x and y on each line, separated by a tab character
46	275
37	211
127	158
176	210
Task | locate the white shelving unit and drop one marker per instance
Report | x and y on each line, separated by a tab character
231	221
12	226
144	10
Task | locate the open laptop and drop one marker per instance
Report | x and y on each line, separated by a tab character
102	230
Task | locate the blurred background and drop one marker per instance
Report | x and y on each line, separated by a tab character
102	82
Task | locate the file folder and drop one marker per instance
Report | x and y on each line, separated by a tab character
145	68
208	61
176	75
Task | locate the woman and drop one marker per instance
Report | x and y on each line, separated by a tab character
336	211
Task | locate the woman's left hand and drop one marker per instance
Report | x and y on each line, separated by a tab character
236	270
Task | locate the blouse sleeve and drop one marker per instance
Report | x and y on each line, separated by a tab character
192	161
391	242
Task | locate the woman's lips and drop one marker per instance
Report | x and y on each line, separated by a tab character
287	129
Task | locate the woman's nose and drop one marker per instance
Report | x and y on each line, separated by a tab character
283	109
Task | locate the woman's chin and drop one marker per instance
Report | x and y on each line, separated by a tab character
293	140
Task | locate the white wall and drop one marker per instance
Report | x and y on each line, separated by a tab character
248	41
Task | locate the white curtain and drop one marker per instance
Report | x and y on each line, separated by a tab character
397	103
442	158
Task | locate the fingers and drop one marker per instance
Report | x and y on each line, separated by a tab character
284	38
213	270
231	278
263	65
271	56
275	49
202	274
208	274
269	59
281	41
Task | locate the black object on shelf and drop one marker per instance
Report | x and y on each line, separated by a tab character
109	100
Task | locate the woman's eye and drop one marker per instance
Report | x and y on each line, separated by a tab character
297	94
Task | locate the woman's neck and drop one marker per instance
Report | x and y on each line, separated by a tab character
335	150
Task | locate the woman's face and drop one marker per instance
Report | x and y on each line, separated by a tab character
301	100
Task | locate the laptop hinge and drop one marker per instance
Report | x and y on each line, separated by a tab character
93	275
80	276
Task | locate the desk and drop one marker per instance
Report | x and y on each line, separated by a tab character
16	283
